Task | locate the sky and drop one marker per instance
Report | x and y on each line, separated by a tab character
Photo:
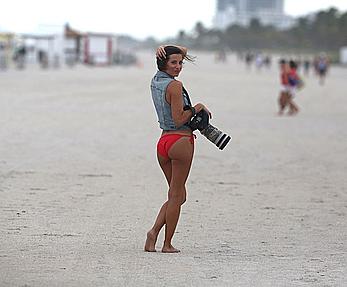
137	18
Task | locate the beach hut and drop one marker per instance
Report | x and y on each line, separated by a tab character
98	48
42	49
72	45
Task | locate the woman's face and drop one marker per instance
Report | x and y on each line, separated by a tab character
174	65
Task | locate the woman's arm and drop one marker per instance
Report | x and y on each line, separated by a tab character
174	98
160	53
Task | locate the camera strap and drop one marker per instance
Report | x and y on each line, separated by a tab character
187	96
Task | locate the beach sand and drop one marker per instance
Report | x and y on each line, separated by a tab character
80	184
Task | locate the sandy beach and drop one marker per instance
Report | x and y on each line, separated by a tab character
80	184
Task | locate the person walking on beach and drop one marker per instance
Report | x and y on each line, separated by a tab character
291	82
175	147
295	84
321	66
285	89
307	65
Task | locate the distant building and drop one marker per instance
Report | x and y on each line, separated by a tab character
241	12
98	48
6	44
343	55
56	45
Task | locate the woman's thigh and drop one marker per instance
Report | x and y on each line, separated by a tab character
181	155
165	165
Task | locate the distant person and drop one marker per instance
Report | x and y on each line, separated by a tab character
3	60
221	56
43	59
259	61
283	99
295	83
267	61
307	65
19	57
249	59
175	147
321	65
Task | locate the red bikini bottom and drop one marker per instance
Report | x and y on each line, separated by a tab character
166	141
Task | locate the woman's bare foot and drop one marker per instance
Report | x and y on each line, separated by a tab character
150	241
170	249
292	113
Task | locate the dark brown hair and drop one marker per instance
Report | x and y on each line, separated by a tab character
170	50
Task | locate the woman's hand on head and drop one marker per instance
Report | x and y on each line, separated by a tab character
160	53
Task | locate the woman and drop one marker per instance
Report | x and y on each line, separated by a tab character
284	93
175	147
295	83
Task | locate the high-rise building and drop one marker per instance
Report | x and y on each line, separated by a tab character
222	5
241	12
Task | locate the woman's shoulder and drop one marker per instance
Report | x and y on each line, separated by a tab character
175	84
175	87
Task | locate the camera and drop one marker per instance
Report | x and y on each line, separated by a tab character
201	122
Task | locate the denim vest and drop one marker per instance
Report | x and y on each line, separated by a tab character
159	85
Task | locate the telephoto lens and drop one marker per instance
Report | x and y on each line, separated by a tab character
216	136
201	122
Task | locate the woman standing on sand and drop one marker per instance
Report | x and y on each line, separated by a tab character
175	147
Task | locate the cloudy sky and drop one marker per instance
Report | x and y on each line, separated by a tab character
141	18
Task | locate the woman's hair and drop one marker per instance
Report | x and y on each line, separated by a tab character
293	64
170	50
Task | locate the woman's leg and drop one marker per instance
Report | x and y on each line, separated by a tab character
181	154
282	101
166	166
152	235
293	108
